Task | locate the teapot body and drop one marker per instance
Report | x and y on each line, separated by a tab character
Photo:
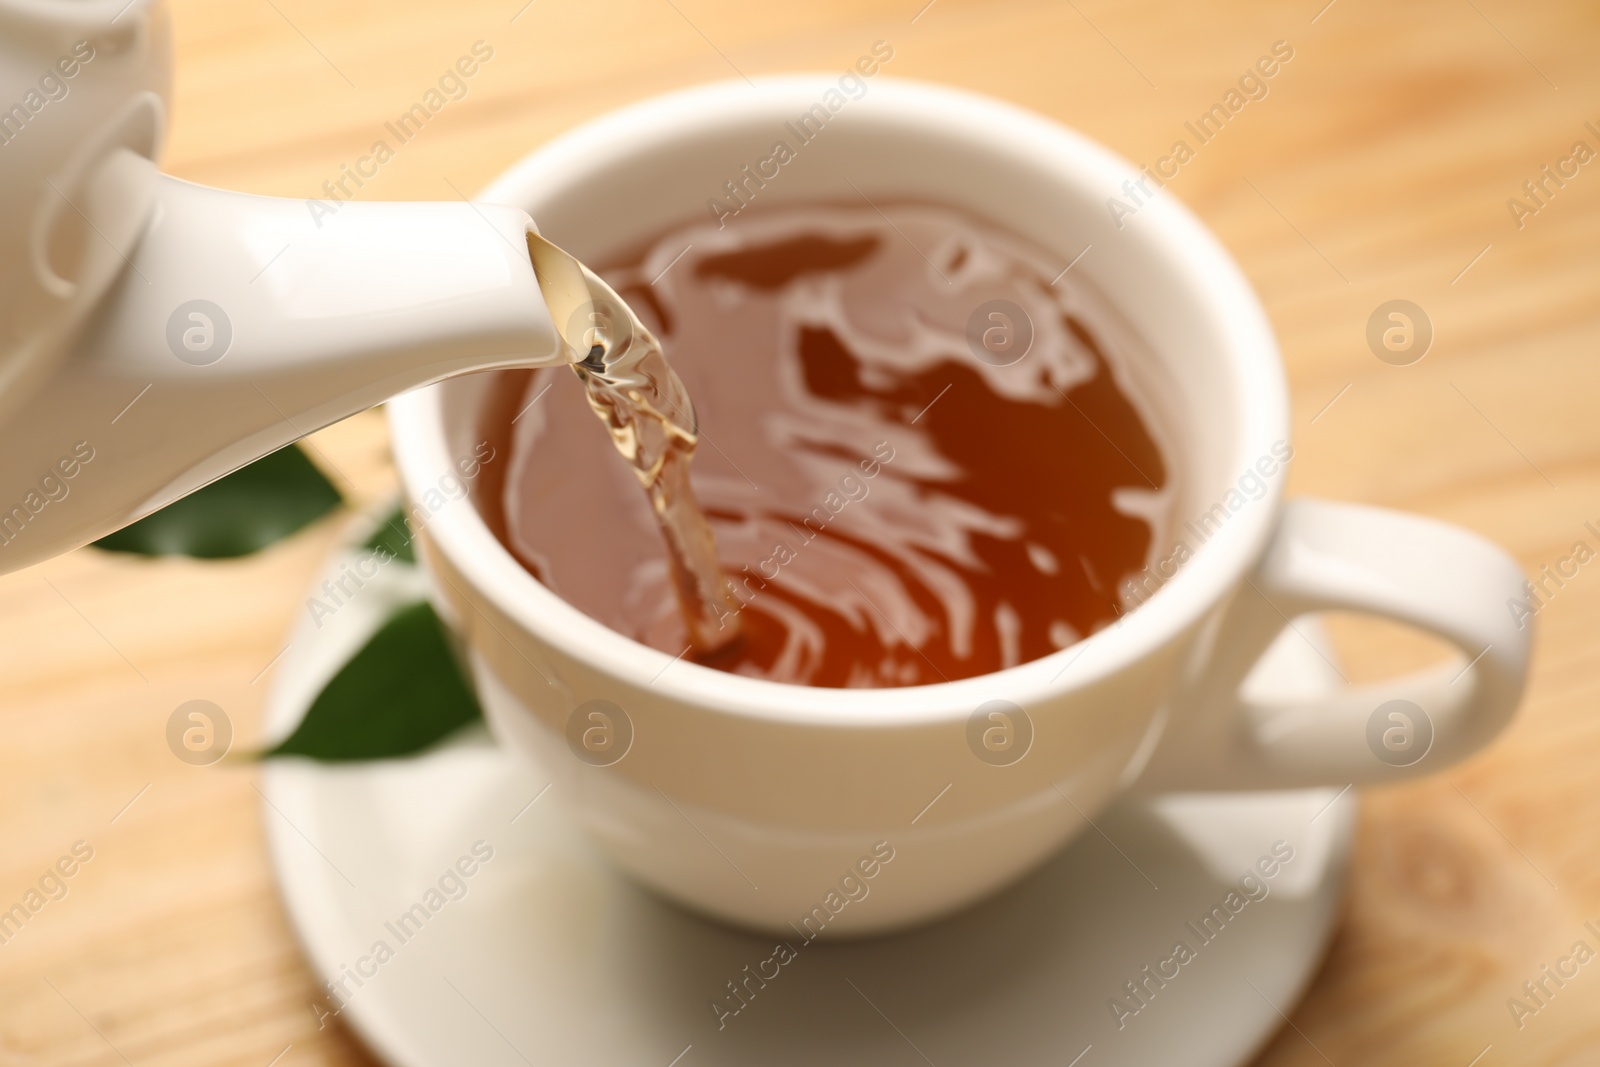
79	83
156	335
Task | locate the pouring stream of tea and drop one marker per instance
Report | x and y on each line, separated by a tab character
647	411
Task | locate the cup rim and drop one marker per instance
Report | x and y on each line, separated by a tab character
1200	584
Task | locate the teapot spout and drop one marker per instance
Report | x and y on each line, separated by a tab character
242	323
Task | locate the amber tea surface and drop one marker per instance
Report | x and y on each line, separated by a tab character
919	448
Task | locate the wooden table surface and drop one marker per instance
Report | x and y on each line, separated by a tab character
1378	167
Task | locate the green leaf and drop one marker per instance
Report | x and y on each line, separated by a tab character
397	696
236	515
395	536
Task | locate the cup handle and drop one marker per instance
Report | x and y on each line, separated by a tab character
1327	556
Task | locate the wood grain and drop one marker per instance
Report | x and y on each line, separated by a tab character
1378	166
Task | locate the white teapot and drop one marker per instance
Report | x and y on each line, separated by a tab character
156	335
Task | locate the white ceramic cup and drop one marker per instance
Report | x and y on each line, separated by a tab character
774	806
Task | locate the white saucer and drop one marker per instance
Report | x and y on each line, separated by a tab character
551	958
